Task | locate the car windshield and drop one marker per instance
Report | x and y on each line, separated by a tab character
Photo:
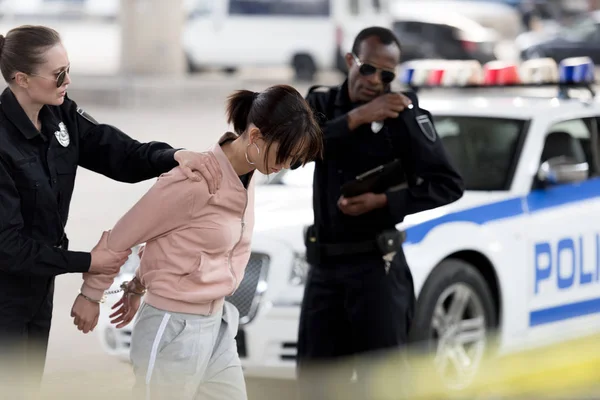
484	150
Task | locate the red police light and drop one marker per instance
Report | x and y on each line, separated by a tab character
435	77
500	73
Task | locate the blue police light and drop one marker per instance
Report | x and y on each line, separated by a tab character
576	70
407	74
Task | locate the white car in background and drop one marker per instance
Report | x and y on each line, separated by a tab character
517	255
306	35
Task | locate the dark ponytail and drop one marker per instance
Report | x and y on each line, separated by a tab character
1	44
239	105
283	117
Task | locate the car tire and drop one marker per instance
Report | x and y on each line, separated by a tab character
304	67
190	66
453	281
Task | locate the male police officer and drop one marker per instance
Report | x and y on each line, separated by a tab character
355	302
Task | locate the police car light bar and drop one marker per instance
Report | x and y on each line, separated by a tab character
571	73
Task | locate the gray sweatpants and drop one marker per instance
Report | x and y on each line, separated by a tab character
186	356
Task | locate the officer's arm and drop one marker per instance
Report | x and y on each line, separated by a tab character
22	255
432	180
108	151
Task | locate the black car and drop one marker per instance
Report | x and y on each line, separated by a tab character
578	39
462	40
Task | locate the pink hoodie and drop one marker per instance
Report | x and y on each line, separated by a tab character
197	244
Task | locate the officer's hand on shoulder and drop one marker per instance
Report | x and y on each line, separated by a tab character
389	105
201	165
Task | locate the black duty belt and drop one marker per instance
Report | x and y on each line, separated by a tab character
385	243
367	246
350	248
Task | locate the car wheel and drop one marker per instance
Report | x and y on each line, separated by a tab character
190	66
304	67
455	314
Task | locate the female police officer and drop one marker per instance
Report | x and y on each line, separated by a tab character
44	136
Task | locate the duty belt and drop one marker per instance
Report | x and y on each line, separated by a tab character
352	248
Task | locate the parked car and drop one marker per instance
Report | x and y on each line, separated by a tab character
446	35
579	39
303	34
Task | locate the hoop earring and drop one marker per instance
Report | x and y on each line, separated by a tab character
257	149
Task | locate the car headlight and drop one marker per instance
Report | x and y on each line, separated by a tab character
299	270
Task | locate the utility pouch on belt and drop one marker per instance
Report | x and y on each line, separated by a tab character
390	241
312	245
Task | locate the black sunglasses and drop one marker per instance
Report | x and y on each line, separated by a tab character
368	69
60	78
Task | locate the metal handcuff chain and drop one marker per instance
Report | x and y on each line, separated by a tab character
122	288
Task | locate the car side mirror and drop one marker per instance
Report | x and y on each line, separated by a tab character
562	169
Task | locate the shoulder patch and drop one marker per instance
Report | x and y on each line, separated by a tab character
427	127
87	116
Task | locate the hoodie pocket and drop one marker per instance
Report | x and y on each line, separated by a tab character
198	264
213	275
194	269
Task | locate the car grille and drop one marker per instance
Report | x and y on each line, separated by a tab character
247	296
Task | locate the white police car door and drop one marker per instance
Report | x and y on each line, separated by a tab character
565	245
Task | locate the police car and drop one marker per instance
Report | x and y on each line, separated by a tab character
517	255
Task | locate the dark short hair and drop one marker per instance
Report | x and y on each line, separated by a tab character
23	48
283	116
384	35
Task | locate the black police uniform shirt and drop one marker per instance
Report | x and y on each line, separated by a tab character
431	179
37	176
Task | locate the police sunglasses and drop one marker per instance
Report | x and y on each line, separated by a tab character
368	70
60	78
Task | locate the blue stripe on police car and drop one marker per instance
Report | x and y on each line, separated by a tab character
537	201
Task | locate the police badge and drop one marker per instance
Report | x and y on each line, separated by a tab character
62	135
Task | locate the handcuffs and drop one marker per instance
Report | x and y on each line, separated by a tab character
122	288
